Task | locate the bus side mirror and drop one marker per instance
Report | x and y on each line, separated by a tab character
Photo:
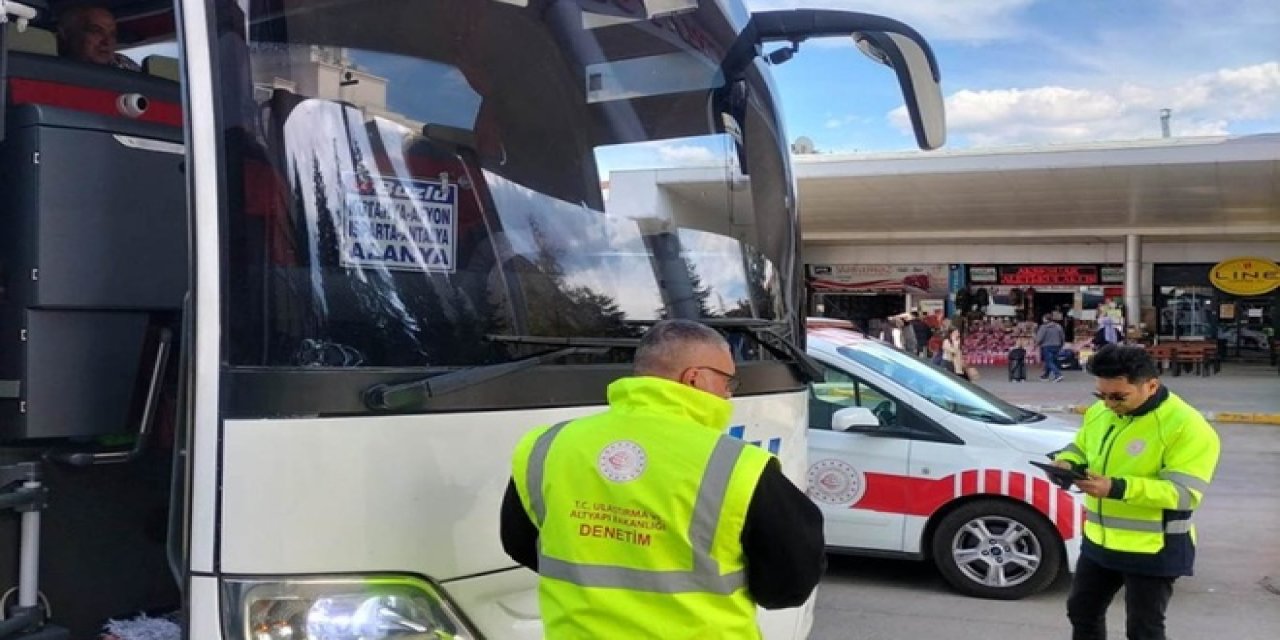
913	63
854	419
886	41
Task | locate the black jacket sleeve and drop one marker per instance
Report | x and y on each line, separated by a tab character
783	542
519	535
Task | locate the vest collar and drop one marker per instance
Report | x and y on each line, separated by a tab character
659	395
1152	403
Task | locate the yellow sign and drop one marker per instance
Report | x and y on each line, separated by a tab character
1246	276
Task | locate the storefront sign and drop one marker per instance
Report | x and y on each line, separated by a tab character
887	278
1045	275
983	275
1246	276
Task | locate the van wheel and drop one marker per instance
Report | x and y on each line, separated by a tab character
996	549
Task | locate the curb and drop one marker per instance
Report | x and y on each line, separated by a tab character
1244	418
1235	417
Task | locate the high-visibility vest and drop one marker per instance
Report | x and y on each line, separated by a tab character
1166	457
640	512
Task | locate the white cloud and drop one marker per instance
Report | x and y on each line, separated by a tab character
835	122
937	20
686	155
1171	38
1204	104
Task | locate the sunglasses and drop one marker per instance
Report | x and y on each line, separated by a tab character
731	381
1111	397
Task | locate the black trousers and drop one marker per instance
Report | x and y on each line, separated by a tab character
1094	586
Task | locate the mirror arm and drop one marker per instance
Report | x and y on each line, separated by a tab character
796	26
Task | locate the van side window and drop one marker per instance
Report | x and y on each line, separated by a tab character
839	390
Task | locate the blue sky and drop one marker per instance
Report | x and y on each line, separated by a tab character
1037	72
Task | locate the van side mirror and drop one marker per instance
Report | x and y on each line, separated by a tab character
854	419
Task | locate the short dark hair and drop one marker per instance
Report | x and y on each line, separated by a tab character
666	342
1122	361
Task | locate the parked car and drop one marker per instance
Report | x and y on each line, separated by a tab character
908	460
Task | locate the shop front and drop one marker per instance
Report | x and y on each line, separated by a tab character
999	306
868	294
1235	302
1029	292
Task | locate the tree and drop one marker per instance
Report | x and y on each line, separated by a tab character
556	308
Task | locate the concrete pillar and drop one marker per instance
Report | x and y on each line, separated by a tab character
1132	280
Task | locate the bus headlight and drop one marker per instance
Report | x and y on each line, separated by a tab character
339	608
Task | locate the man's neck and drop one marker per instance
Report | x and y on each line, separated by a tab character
1156	399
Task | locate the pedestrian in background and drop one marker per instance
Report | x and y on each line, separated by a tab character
1149	457
1050	338
908	334
953	353
923	334
1108	333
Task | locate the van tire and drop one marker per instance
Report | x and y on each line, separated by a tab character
1021	545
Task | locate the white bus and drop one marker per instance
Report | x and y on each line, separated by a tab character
276	308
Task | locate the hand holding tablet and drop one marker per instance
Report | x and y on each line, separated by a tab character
1062	477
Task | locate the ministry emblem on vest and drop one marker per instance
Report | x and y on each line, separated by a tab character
1136	446
622	461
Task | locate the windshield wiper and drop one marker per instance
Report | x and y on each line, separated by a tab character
982	414
764	333
407	395
1028	416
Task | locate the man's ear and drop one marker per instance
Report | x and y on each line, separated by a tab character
1152	385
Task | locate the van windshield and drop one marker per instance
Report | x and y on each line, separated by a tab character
938	387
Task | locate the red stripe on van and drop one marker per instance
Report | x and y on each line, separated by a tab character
1017	485
1066	514
1040	495
992	483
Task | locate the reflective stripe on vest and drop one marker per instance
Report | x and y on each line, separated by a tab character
1184	483
1130	524
533	475
703	578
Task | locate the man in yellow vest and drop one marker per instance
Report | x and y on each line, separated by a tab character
1149	457
647	520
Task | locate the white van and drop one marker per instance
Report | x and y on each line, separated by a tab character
907	459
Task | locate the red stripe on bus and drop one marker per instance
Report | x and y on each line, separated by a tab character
100	101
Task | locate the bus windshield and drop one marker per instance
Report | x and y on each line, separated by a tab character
406	179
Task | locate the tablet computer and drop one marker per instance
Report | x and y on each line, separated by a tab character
1061	477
